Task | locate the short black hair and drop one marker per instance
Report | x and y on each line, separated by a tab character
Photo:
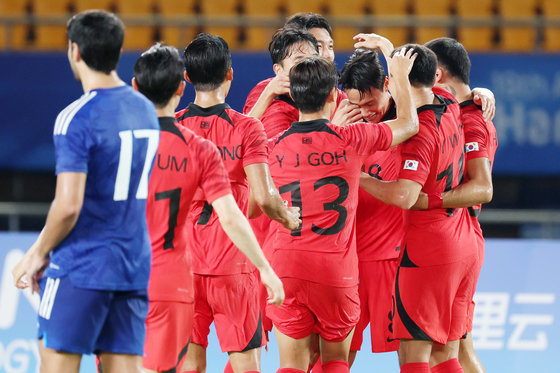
362	72
158	73
423	72
99	36
311	81
307	21
284	38
207	61
452	56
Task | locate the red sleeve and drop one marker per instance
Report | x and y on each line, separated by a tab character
214	180
254	142
417	153
254	95
476	136
367	138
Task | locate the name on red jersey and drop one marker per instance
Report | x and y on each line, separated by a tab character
170	163
316	159
232	152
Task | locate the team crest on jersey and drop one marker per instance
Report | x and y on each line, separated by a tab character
307	140
204	125
411	165
471	147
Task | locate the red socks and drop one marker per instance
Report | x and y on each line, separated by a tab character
289	370
449	366
415	368
336	366
228	368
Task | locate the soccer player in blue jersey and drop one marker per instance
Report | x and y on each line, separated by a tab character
91	262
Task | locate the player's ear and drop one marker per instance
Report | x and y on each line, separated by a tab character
440	74
277	68
187	77
229	74
134	85
180	90
386	84
75	51
332	96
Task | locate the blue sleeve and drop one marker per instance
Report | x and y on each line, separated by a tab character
72	147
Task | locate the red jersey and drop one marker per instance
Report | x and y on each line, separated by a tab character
184	162
281	113
316	165
481	139
434	159
380	227
241	141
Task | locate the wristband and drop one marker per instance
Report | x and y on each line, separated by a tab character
435	201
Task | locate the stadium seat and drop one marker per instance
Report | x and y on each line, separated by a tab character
380	8
258	37
82	5
424	8
17	34
136	37
551	9
49	36
342	35
517	38
223	10
315	6
175	9
475	38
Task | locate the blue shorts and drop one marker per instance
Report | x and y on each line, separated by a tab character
84	321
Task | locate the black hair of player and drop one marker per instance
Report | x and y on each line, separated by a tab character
362	72
307	21
423	72
311	81
99	36
285	38
158	73
207	61
452	56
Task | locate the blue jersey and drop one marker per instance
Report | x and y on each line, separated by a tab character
112	135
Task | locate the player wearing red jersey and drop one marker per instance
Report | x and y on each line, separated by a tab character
317	165
184	163
226	288
435	276
481	142
379	227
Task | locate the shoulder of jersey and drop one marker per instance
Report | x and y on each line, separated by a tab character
77	107
444	93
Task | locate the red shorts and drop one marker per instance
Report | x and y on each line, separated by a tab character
168	329
310	307
377	282
432	302
232	302
267	322
477	270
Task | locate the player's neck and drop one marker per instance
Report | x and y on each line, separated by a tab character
464	92
422	96
322	114
169	109
92	79
210	98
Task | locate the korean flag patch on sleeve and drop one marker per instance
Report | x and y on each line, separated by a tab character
471	147
410	165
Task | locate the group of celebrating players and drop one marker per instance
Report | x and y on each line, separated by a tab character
364	201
